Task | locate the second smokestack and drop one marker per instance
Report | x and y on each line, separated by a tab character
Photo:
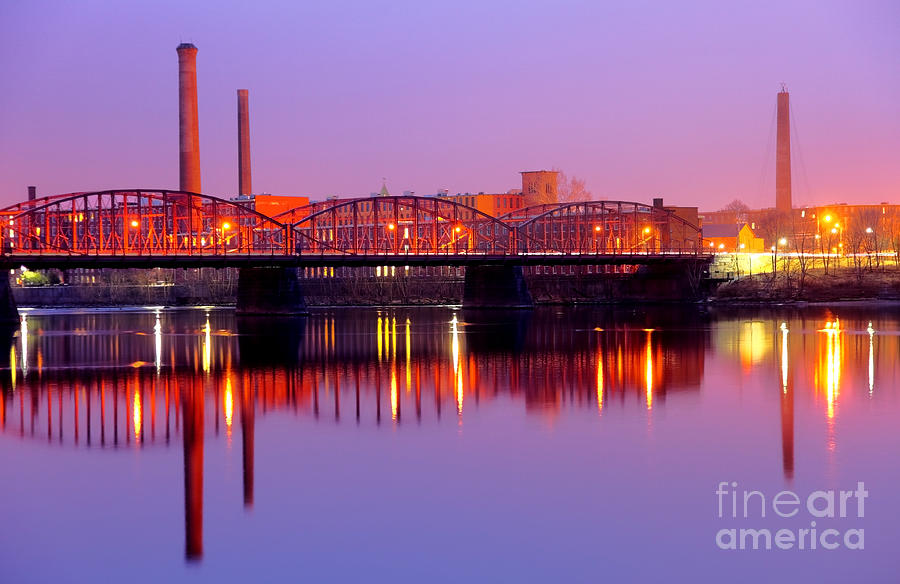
188	124
783	202
244	181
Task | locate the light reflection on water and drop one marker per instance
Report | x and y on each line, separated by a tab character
713	391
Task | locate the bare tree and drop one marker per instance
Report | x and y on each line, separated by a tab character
739	208
571	188
871	221
772	226
854	241
803	242
892	234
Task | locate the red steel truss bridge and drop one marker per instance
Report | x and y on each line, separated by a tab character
159	228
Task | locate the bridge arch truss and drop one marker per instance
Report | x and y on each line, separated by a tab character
395	225
602	227
139	223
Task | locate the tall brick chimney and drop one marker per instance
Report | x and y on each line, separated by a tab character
188	126
783	154
244	182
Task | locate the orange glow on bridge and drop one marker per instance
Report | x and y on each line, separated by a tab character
152	223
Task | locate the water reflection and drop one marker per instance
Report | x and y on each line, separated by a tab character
787	407
192	403
289	364
871	332
130	371
830	361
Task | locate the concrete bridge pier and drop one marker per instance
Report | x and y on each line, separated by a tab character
495	286
269	291
9	313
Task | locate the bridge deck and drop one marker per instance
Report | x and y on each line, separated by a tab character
70	261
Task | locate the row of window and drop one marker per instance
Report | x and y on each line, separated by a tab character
454	271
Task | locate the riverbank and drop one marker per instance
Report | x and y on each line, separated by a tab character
575	285
838	285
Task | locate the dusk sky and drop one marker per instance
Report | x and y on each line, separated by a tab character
640	99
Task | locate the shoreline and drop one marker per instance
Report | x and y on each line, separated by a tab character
710	303
792	303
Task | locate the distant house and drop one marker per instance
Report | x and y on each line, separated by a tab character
729	237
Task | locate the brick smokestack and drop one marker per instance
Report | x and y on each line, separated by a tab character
244	182
188	126
783	154
32	193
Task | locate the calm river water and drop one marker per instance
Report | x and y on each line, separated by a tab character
440	445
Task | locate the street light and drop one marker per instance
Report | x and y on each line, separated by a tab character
391	226
226	226
782	241
134	223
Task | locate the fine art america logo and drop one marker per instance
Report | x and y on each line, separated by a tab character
802	522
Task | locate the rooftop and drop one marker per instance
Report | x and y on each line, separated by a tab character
721	229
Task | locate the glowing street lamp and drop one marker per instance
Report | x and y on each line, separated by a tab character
782	241
226	226
597	228
868	230
391	226
134	223
827	218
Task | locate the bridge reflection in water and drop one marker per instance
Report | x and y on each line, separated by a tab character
148	379
136	380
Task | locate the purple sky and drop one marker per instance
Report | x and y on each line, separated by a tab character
641	99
